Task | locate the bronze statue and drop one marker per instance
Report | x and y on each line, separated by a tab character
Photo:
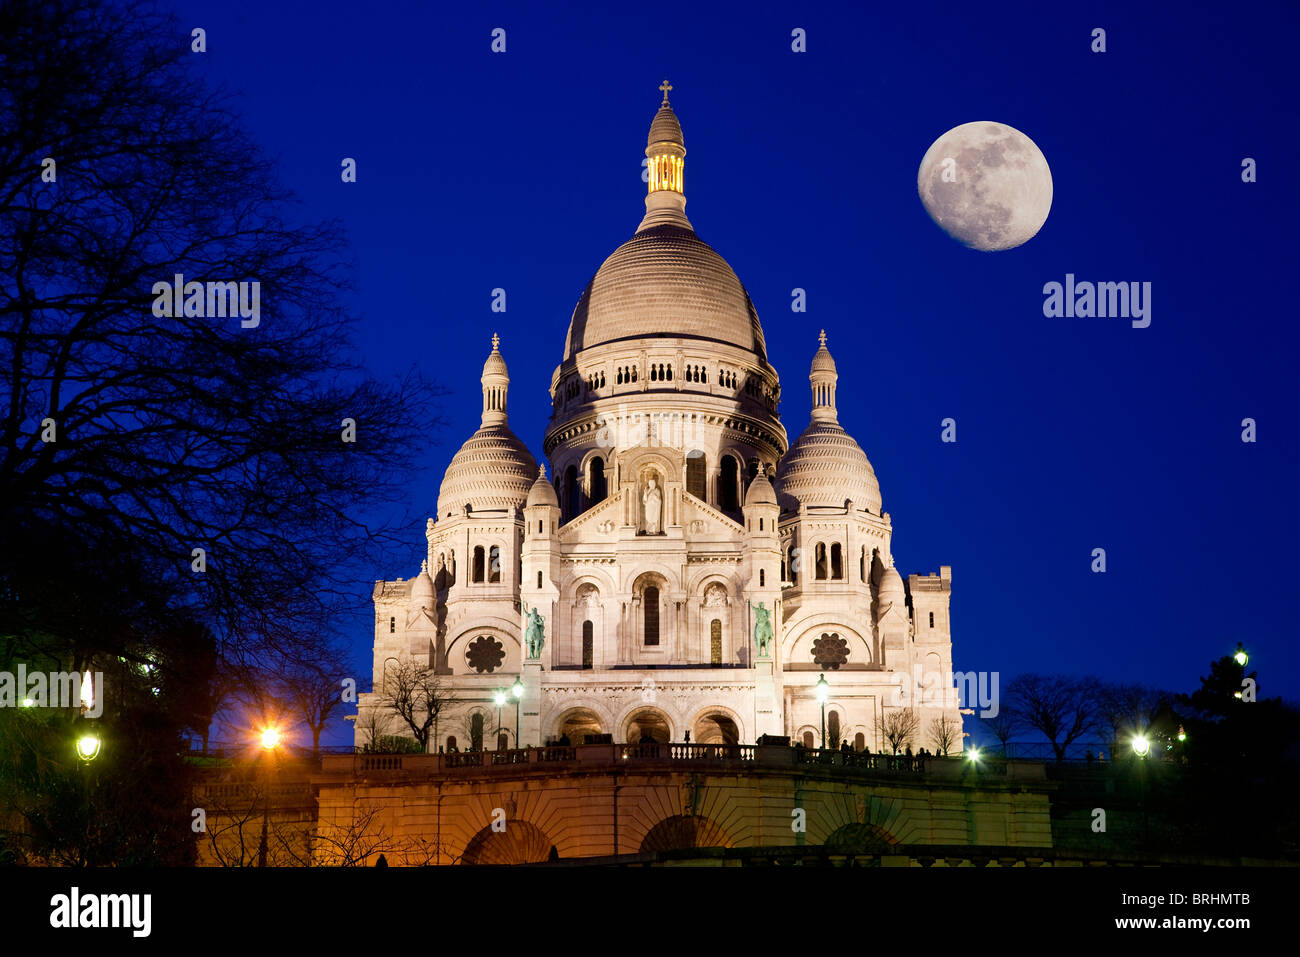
762	628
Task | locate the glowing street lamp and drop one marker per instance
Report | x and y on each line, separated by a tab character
270	738
88	745
973	755
517	689
1240	656
499	696
1182	735
1141	745
823	692
270	741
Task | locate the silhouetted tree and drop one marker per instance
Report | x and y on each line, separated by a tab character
1062	709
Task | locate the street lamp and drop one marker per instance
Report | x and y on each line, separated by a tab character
88	745
823	692
270	738
973	755
1240	656
517	689
1141	745
89	742
499	696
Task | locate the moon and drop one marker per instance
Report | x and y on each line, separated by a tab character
987	185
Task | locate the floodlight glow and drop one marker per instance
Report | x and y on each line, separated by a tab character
1141	746
518	688
270	738
88	746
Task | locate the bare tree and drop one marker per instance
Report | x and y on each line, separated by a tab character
311	688
419	696
375	724
1004	726
899	727
945	732
1061	708
1129	709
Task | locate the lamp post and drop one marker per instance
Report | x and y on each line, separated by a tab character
499	696
1141	748
517	689
1240	656
823	692
270	741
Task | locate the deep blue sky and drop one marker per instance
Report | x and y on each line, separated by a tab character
522	170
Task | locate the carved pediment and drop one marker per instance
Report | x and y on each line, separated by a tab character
599	521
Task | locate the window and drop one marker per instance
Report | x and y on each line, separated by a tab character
808	741
728	485
596	480
695	472
859	741
494	564
837	565
715	641
451	743
760	524
832	729
820	556
539	526
503	741
793	566
392	625
931	619
862	564
762	578
539	579
784	576
588	643
650	600
571	493
476	732
476	573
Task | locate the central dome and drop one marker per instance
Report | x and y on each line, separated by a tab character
665	282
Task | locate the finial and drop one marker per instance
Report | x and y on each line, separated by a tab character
665	86
541	472
822	338
424	566
496	341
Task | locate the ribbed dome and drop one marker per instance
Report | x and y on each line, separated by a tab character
542	492
665	128
822	361
825	466
492	470
665	281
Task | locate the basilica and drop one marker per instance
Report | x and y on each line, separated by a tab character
677	569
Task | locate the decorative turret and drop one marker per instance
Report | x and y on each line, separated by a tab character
496	385
665	151
823	378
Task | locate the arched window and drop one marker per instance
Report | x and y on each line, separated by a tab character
476	732
784	577
762	578
539	579
862	564
596	480
494	564
820	561
859	741
503	741
571	492
715	641
588	643
451	743
832	729
650	603
476	573
392	625
695	472
837	564
793	566
729	485
808	740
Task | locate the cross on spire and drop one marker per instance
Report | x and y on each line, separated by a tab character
822	338
496	341
665	86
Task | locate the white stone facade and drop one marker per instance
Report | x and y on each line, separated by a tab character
676	507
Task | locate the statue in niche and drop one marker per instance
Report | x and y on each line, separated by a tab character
652	503
762	628
534	633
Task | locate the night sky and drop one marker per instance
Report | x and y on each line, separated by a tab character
522	170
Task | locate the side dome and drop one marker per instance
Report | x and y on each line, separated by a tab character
825	466
760	491
493	469
891	587
422	595
665	282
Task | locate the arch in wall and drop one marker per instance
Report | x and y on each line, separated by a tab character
647	720
577	723
697	474
520	843
729	478
858	838
717	725
683	831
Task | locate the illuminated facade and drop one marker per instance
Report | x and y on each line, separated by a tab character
675	524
